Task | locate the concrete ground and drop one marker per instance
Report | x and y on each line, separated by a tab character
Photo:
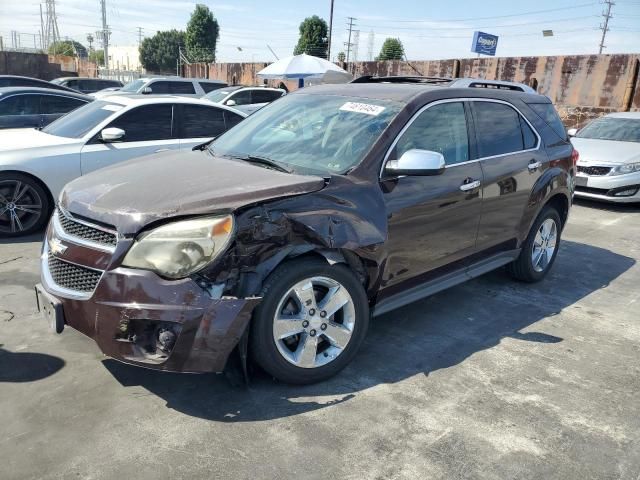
492	380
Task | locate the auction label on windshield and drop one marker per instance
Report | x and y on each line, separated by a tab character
362	108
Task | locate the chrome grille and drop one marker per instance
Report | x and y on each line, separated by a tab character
72	277
86	232
594	171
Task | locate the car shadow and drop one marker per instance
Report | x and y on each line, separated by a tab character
19	367
419	339
606	206
34	237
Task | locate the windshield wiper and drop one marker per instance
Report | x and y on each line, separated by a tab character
267	162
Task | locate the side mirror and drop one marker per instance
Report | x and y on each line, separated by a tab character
416	162
572	132
230	103
147	90
111	134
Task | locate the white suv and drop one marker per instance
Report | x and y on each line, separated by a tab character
184	87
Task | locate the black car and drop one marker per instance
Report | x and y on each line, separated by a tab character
22	107
85	84
18	81
336	203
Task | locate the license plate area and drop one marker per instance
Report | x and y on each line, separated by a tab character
50	308
581	181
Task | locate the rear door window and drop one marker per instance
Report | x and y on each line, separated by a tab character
146	123
20	105
547	113
441	128
232	119
182	88
199	121
498	129
51	104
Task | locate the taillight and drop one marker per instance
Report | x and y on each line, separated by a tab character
574	157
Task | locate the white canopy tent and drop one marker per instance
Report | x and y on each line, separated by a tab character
303	67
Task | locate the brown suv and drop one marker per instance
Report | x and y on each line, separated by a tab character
289	231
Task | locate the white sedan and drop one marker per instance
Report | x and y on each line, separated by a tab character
609	164
36	164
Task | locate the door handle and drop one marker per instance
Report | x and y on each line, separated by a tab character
465	187
533	165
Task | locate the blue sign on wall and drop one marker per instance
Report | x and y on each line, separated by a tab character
484	43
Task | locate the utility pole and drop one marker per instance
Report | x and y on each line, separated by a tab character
105	33
349	44
605	28
139	36
42	40
51	32
330	31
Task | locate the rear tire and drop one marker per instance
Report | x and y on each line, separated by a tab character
24	205
311	322
540	248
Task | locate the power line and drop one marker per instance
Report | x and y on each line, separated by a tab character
605	27
572	7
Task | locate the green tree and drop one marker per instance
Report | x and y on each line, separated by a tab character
202	35
342	57
313	37
160	53
392	49
68	47
97	57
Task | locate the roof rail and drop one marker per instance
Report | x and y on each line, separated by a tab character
401	79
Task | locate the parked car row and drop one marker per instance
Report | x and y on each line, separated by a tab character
286	232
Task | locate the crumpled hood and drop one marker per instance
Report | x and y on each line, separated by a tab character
133	194
596	152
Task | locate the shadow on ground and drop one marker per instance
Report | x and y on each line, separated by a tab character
608	207
35	237
419	339
21	367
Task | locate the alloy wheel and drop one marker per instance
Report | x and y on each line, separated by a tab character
314	322
20	206
544	245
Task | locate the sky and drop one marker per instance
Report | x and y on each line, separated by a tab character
427	29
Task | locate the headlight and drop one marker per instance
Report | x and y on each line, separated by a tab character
626	168
181	248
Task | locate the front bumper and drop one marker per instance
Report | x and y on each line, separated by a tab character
609	188
129	309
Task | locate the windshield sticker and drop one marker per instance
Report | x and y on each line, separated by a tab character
366	108
113	108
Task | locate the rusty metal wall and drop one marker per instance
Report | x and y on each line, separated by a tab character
581	86
43	66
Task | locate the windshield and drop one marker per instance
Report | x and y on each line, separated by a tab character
611	128
218	95
82	120
316	134
133	86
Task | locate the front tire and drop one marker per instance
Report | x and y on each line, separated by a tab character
24	205
540	248
311	321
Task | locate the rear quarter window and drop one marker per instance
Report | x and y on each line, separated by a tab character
210	86
547	113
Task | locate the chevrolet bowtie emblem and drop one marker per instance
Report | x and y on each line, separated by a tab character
57	247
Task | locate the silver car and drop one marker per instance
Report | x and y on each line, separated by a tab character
609	164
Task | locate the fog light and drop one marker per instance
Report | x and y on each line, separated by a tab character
626	193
